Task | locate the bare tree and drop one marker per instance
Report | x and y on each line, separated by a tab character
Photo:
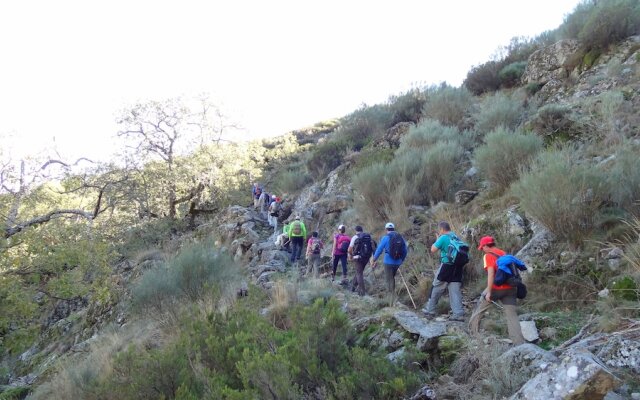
164	131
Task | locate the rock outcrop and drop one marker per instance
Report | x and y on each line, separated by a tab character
552	63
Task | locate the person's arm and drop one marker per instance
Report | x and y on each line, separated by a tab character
405	251
308	252
491	274
304	230
435	247
335	244
380	248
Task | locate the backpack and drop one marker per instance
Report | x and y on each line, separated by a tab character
296	228
316	245
343	243
508	272
396	245
363	246
258	192
274	208
457	252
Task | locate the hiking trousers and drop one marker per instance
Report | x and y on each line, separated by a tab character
508	299
343	259
437	290
297	242
314	261
358	279
390	276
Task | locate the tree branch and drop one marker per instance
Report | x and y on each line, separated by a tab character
10	231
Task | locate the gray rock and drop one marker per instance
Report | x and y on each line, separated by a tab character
471	172
425	393
614	264
618	352
552	62
465	196
265	276
548	332
635	396
578	375
614	254
528	359
613	396
529	331
429	332
517	224
538	245
21	381
397	356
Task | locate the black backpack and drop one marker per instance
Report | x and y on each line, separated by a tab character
396	245
363	246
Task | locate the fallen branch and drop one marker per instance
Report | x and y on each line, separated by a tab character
10	231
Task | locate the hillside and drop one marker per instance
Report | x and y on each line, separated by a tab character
157	278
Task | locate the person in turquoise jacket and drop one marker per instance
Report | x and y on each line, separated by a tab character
391	264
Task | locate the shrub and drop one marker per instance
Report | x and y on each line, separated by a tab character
448	105
624	180
292	180
505	154
326	157
562	193
483	78
499	110
198	270
597	24
510	75
407	107
553	120
428	133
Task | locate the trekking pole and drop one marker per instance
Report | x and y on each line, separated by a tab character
408	291
497	305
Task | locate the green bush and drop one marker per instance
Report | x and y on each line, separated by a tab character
448	105
504	155
198	270
625	288
483	78
427	133
598	24
499	110
326	157
292	180
624	180
239	355
510	75
563	193
407	107
553	119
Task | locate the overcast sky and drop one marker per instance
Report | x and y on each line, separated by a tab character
67	67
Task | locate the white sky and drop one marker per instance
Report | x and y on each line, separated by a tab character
67	67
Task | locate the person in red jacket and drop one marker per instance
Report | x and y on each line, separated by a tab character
506	294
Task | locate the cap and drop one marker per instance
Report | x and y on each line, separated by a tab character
273	197
389	225
485	241
297	217
341	227
358	228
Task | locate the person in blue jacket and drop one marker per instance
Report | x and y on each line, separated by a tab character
390	263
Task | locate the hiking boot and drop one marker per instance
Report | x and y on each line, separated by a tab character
428	315
457	318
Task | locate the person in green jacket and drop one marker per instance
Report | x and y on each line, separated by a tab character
297	235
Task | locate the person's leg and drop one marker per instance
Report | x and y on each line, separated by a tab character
355	282
300	246
474	321
343	260
316	265
336	259
437	290
390	277
294	249
360	275
455	298
509	302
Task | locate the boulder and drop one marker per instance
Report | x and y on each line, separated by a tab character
578	375
517	224
552	62
428	332
529	331
528	359
397	356
538	245
386	339
425	393
392	137
619	352
465	196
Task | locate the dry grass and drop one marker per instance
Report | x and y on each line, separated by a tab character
78	375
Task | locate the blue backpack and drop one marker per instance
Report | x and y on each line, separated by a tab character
508	272
458	251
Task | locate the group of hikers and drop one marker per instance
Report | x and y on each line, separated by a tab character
503	278
269	205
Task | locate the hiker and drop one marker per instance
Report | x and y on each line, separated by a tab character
274	211
360	251
264	202
505	293
297	234
339	252
447	277
283	241
314	247
256	191
395	251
